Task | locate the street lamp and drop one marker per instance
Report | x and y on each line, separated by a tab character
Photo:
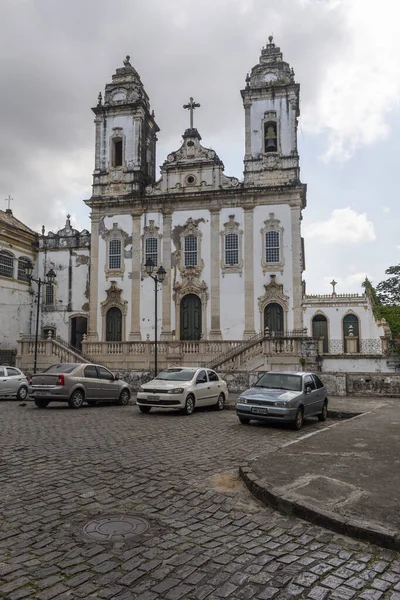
50	278
158	277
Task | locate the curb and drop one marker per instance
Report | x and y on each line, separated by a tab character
291	505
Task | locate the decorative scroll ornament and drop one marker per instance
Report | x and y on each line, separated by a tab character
114	299
273	293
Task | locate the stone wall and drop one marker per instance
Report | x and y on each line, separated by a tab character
7	357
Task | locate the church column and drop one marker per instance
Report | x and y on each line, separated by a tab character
248	273
215	331
97	121
166	333
93	335
247	122
297	259
135	334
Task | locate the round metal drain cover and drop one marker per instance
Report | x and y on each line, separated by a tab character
115	528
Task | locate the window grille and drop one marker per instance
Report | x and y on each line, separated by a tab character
152	250
272	247
22	263
49	294
114	254
191	251
231	249
6	264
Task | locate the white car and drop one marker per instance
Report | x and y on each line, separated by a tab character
183	388
13	383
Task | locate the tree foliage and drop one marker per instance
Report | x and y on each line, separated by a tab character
388	291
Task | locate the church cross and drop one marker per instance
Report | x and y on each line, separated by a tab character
333	284
9	200
191	106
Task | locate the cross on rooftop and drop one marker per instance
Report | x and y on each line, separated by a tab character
333	284
9	200
191	106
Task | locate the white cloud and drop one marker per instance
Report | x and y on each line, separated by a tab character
386	209
344	226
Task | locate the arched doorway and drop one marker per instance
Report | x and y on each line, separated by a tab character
273	318
77	331
114	325
190	317
320	331
351	328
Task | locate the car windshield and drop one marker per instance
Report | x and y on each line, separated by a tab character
177	374
280	381
63	368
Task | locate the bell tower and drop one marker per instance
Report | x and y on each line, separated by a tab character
125	151
271	103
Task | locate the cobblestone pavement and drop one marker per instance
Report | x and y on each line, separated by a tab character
59	468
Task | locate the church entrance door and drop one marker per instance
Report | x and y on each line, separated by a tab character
114	325
190	317
273	318
78	329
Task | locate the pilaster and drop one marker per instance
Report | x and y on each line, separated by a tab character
297	266
215	331
248	273
166	333
93	335
135	334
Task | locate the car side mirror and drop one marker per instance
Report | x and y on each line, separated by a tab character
308	390
116	376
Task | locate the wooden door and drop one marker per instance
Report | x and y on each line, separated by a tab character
190	314
114	325
273	318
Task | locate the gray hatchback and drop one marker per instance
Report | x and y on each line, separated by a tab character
284	396
77	383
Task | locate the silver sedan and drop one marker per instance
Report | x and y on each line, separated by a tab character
284	396
13	383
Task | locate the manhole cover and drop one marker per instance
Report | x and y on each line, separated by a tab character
115	528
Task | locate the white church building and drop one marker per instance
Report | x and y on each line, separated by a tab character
233	294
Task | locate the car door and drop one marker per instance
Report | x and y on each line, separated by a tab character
202	388
109	385
14	379
92	383
310	399
320	392
214	385
3	382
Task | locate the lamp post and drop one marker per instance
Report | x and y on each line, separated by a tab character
158	277
50	278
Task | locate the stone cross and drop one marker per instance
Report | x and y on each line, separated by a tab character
333	284
9	200
191	106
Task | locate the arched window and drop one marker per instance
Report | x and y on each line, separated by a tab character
151	251
272	250
6	264
231	249
22	263
49	294
191	257
114	254
351	329
320	332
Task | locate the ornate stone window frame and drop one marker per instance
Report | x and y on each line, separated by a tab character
191	229
117	135
47	295
272	224
116	233
150	231
270	116
114	300
231	227
273	295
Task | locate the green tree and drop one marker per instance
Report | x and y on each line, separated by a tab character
388	291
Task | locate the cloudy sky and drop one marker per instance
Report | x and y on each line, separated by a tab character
56	55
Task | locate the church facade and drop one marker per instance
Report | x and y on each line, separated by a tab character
231	249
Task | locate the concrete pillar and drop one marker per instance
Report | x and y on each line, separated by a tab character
166	333
248	274
93	335
297	265
135	334
215	331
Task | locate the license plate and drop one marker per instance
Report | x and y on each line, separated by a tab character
42	394
153	397
259	411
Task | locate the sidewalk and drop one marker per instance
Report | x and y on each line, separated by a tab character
345	477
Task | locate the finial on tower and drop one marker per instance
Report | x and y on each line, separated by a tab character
271	39
126	61
247	80
99	99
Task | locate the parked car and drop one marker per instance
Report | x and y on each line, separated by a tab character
77	383
13	383
183	388
284	396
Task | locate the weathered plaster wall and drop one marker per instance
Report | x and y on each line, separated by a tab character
335	312
280	105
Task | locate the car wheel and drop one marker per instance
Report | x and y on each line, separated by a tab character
22	393
92	402
41	403
76	399
299	419
145	409
220	402
244	420
124	398
189	405
324	413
